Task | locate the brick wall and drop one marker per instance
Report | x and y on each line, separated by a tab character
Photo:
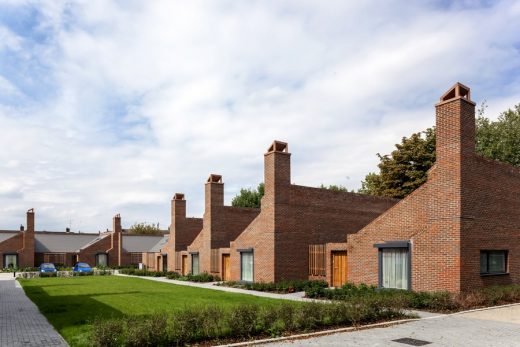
468	204
183	230
221	224
292	217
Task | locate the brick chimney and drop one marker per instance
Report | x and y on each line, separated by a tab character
277	173
178	208
455	125
214	192
30	220
116	244
26	252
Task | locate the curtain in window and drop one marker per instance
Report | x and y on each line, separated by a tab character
194	264
10	261
395	268
246	259
102	260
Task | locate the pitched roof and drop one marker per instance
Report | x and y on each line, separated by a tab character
140	243
7	234
61	242
159	245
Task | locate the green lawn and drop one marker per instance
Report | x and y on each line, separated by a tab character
71	304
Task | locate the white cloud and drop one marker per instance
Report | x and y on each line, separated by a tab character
146	99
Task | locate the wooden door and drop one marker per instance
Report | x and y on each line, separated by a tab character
339	268
226	268
184	265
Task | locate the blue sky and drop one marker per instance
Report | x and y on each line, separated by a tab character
112	107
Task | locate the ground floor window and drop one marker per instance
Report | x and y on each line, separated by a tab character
195	264
246	266
11	261
493	262
394	269
101	259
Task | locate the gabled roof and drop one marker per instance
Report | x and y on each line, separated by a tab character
159	245
7	234
99	237
61	242
140	243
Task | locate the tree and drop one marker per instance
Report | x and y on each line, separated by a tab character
405	169
249	197
145	229
335	188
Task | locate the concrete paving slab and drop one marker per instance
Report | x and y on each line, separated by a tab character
21	324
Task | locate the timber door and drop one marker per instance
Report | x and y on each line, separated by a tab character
339	268
226	269
184	265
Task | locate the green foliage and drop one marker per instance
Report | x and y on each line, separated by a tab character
335	188
432	301
145	229
212	323
405	169
249	197
279	287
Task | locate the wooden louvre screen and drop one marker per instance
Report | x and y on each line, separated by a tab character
214	260
178	261
55	258
136	258
317	260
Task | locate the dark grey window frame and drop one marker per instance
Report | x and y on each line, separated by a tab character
17	259
96	258
393	245
191	261
506	262
247	250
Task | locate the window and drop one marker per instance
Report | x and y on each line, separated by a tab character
102	259
11	261
246	266
195	263
493	262
394	264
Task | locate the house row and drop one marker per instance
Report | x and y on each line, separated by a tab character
28	248
459	230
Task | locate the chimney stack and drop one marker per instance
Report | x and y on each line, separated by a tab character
214	191
277	172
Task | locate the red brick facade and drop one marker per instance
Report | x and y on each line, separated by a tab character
468	204
20	244
293	217
221	225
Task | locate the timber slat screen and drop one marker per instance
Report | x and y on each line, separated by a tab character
317	260
178	261
214	260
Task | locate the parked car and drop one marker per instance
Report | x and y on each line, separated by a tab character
47	267
82	267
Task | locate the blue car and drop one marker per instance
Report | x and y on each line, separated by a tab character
47	267
82	267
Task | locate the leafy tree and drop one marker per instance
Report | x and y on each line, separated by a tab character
145	229
405	169
335	188
249	197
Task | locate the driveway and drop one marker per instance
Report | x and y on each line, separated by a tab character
21	324
491	327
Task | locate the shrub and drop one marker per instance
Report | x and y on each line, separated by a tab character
48	274
242	320
108	333
279	287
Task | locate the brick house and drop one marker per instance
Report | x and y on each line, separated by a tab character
183	231
294	221
460	230
29	248
209	251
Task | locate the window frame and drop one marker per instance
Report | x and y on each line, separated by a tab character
252	252
393	245
5	262
191	263
488	252
97	261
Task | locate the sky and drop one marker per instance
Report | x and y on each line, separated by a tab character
113	106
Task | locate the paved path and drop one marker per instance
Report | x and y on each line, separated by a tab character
21	324
491	327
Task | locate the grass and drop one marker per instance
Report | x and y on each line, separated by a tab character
72	304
